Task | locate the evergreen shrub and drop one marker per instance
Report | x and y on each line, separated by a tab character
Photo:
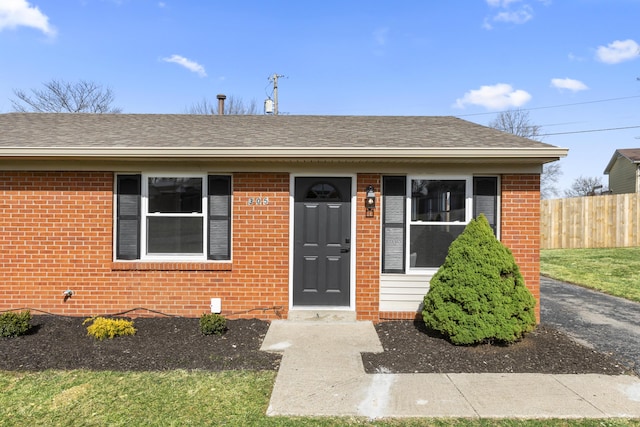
102	327
213	323
14	324
478	295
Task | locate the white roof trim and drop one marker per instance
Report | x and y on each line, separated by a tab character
281	152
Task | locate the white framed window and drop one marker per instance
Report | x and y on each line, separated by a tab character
173	213
422	215
177	217
439	209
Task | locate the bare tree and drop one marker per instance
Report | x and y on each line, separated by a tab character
518	123
233	106
63	97
549	180
585	186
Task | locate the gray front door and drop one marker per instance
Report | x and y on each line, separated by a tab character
322	241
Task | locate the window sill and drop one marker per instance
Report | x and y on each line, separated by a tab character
171	266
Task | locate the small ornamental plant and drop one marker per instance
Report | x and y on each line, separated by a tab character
102	327
478	295
213	323
14	324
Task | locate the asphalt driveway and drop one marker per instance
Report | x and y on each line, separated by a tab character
608	324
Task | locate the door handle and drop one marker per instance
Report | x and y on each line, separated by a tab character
344	250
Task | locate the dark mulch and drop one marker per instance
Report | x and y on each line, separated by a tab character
410	347
159	344
167	343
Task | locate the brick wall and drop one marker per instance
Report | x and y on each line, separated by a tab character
520	227
520	231
57	234
367	250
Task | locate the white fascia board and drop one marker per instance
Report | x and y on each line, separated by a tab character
281	152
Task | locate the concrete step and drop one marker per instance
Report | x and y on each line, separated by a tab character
322	315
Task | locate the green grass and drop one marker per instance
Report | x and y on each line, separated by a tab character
181	398
233	398
613	271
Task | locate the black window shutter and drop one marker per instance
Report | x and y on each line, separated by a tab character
485	199
128	216
219	196
393	224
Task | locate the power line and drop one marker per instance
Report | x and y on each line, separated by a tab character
590	131
553	106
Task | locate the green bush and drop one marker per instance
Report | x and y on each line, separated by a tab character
478	295
212	323
102	327
14	324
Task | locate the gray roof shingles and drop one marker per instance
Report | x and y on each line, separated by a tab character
33	130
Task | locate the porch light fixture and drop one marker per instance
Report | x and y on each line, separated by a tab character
370	200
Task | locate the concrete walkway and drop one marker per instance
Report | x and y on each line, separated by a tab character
322	374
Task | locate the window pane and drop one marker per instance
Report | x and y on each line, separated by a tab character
394	191
440	201
175	195
323	190
485	199
430	243
167	235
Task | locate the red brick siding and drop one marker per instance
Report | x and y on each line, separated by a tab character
520	232
57	234
368	230
520	227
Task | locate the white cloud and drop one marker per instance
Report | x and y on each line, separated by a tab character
511	11
618	51
501	3
186	63
496	97
520	16
19	13
569	84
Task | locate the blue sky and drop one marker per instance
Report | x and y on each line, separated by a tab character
573	64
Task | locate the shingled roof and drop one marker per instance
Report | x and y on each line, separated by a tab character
631	154
162	135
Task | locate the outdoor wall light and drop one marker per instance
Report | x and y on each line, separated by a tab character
370	200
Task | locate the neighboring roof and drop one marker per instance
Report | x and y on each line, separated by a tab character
149	136
631	154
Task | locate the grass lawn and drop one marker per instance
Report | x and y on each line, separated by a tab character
613	271
240	398
179	398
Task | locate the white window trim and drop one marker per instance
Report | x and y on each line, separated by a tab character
468	213
144	206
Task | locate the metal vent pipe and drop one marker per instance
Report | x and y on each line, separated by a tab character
221	99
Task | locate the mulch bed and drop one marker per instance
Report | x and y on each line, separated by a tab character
162	343
167	343
410	347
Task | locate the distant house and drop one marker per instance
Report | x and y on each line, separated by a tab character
256	216
624	171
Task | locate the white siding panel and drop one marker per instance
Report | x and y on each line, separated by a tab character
402	292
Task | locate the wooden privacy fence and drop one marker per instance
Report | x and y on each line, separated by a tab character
610	221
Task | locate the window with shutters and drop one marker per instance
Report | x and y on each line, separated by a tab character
173	217
422	215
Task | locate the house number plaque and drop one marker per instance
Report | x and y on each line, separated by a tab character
258	201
